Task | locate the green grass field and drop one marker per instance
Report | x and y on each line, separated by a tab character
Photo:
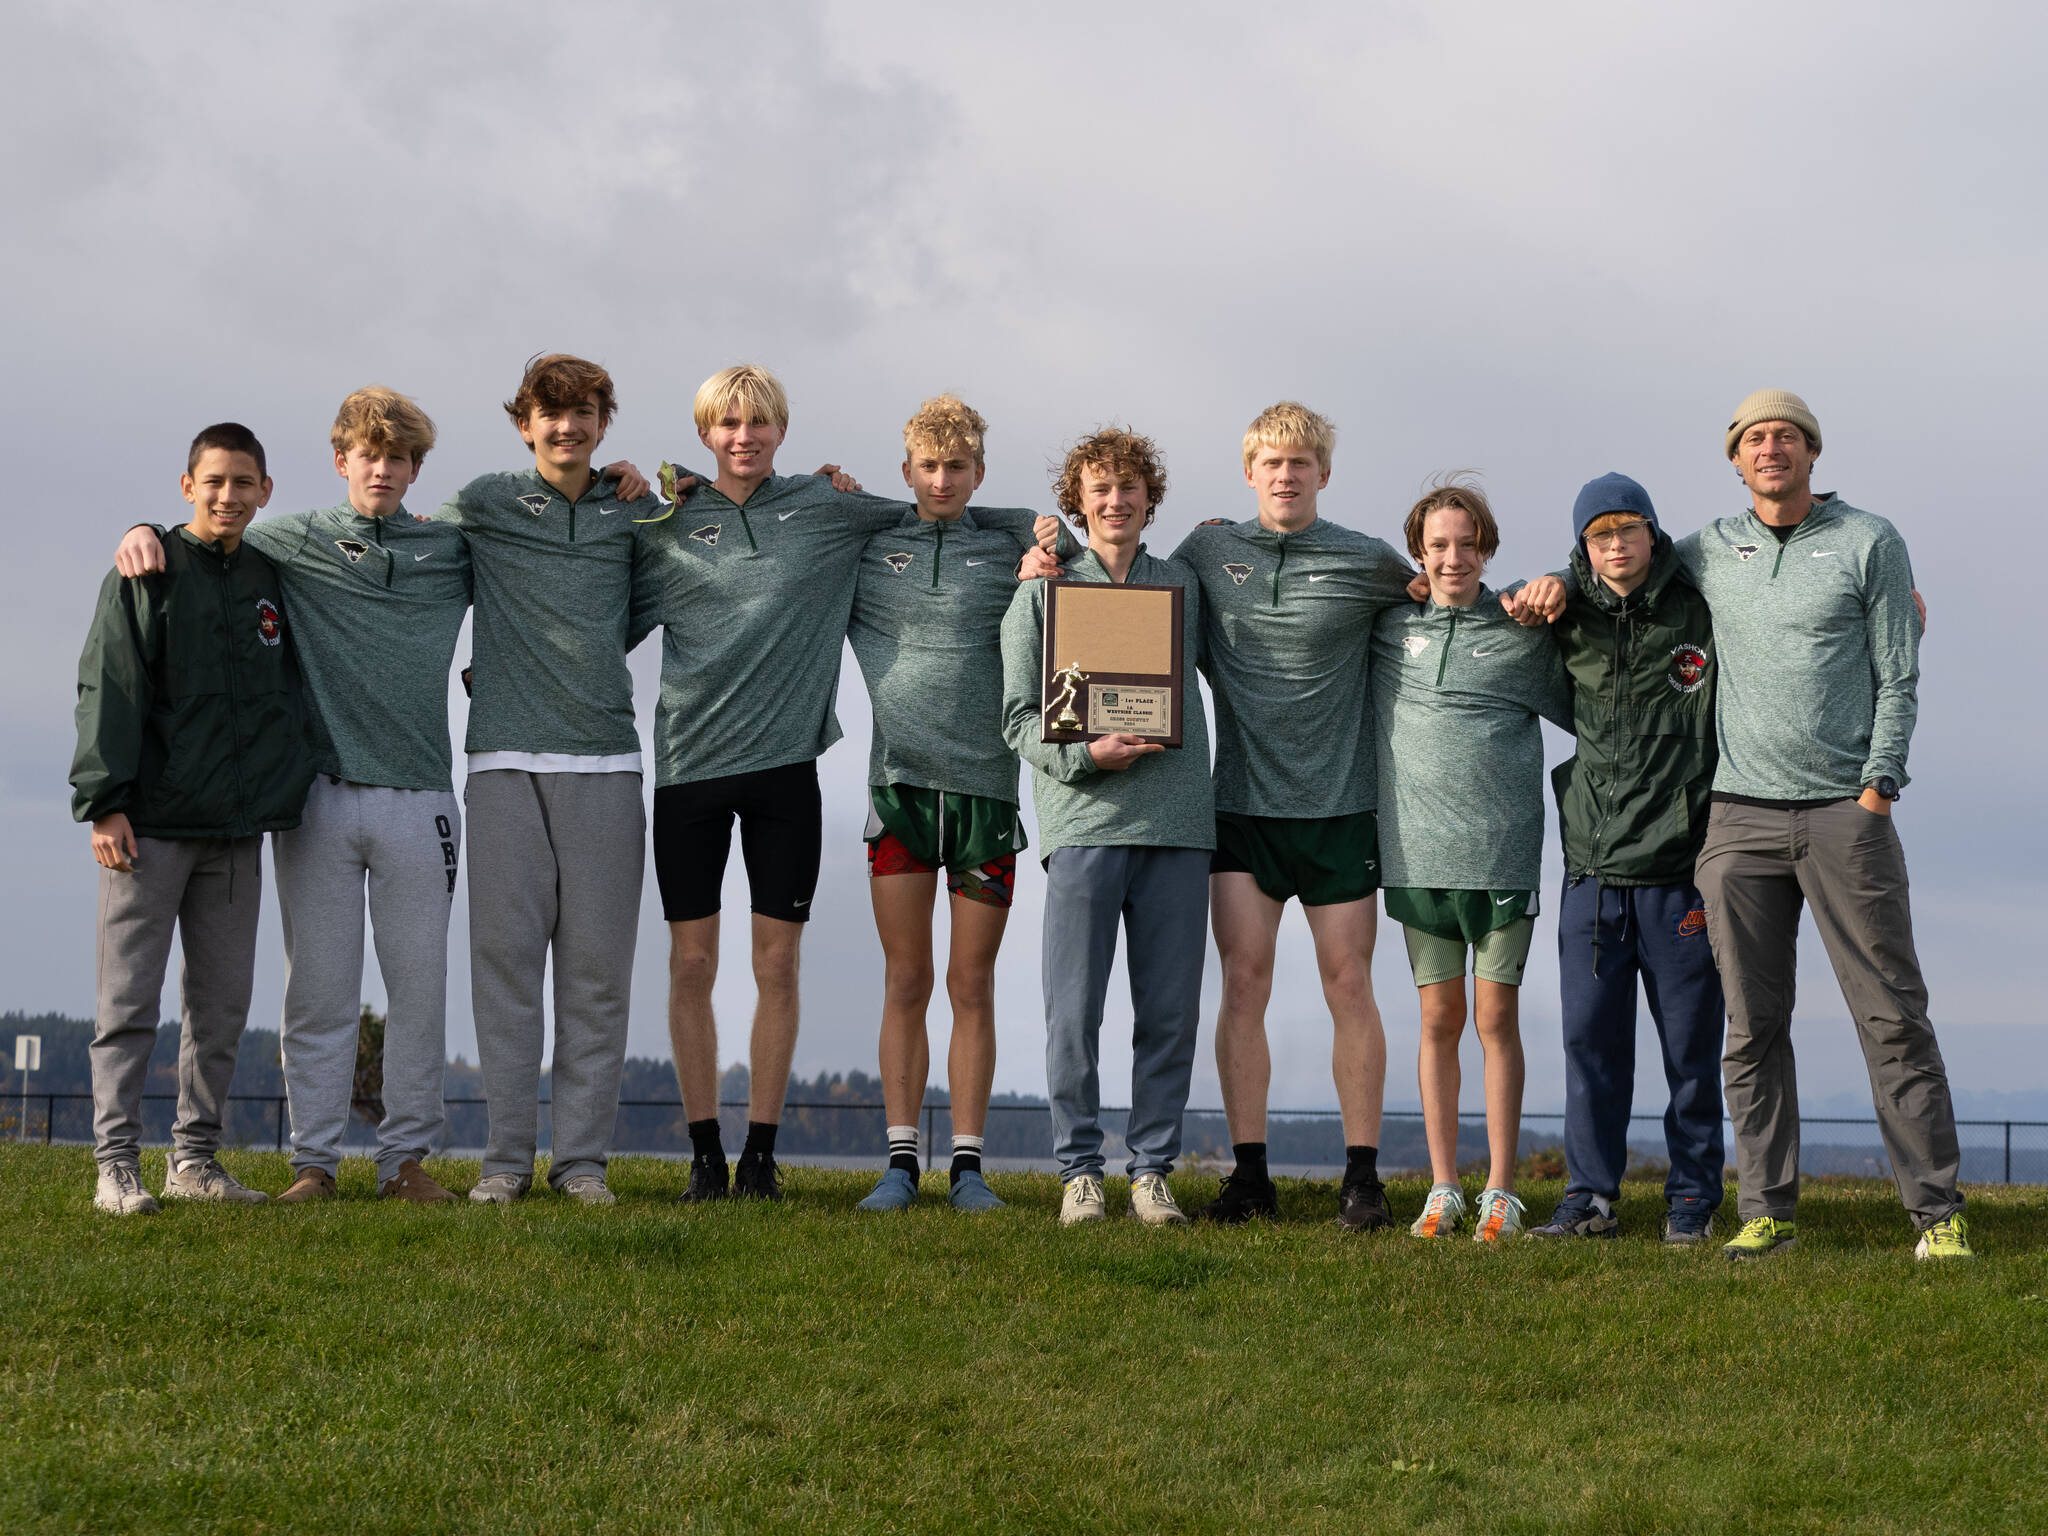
366	1367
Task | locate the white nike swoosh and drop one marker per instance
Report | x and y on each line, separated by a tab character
977	562
1322	576
1501	901
783	517
427	556
1819	552
1490	650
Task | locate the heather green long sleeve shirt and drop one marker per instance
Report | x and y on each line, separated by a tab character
1164	799
927	622
1457	693
1819	649
753	602
1287	628
376	606
552	579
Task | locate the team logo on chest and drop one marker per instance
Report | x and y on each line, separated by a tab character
269	622
355	549
1746	550
1415	645
1237	571
898	562
1688	667
535	502
708	534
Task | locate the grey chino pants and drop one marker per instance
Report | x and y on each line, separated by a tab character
209	890
555	863
1756	869
1160	898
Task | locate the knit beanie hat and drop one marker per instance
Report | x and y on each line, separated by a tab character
1611	493
1772	405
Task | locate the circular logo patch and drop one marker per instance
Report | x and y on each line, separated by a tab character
269	622
1688	667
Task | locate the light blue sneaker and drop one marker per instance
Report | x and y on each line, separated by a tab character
971	1193
896	1191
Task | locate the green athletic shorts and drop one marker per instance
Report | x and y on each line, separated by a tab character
1322	859
943	829
1442	927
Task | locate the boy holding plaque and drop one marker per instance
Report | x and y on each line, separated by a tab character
752	582
1288	604
1127	827
1458	687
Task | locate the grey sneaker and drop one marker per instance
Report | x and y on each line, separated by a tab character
120	1191
1153	1204
1081	1200
500	1188
205	1179
589	1189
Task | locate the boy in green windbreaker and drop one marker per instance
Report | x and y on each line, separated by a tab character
192	743
1458	687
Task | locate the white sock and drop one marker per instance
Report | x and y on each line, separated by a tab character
902	1143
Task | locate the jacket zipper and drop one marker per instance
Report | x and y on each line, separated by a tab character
1449	640
747	528
1278	566
390	560
938	550
227	613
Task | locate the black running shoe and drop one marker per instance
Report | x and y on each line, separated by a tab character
1244	1196
1577	1216
709	1180
757	1178
1362	1206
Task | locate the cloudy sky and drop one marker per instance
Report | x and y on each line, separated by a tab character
1543	242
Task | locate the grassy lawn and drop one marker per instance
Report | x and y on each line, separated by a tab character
364	1367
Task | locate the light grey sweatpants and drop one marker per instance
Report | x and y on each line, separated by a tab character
555	862
209	889
1846	865
404	844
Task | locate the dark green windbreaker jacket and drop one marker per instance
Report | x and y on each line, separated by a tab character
190	716
1632	802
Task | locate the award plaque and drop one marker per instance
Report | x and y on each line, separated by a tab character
1112	662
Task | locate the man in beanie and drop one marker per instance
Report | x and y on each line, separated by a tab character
1638	643
1814	615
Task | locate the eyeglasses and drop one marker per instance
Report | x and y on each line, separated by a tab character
1614	536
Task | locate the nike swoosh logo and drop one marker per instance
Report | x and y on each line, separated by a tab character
606	511
977	562
1490	650
783	517
1501	901
1321	576
427	556
1819	552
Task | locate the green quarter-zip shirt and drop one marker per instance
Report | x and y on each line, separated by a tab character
1457	693
552	581
376	605
1819	650
926	628
753	602
1287	647
1164	799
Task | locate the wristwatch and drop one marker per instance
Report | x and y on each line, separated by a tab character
1887	788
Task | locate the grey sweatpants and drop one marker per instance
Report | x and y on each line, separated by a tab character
404	844
210	890
1160	898
555	863
1846	864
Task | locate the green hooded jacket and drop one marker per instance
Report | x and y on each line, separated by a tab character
1632	802
190	717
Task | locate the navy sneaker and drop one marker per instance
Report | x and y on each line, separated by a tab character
1689	1222
896	1190
1578	1216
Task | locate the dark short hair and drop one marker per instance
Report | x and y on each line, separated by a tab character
230	437
556	381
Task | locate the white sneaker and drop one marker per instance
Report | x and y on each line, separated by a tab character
1082	1200
589	1189
500	1188
1442	1213
1152	1202
1500	1216
205	1179
120	1191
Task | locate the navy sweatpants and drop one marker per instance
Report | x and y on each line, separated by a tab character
1607	936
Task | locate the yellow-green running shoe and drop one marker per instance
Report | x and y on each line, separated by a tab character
1759	1236
1948	1238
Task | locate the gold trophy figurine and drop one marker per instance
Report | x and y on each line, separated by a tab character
1071	677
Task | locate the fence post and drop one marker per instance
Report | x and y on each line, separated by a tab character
279	1104
927	1138
50	1113
2008	1151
